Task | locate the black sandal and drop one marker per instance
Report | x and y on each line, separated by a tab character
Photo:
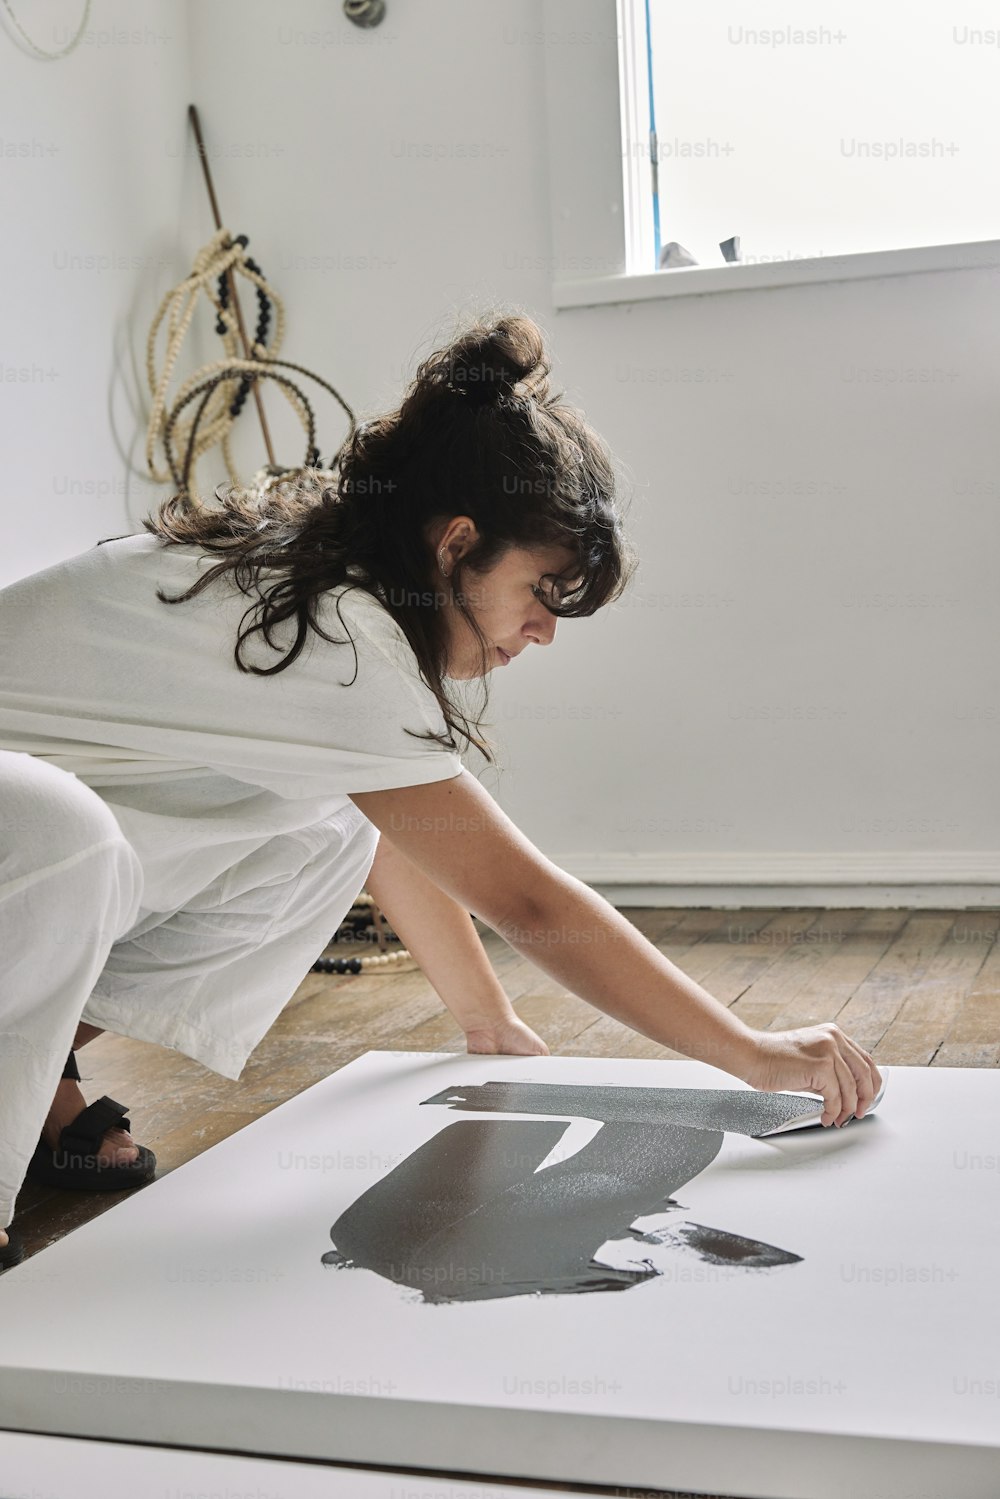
11	1253
74	1163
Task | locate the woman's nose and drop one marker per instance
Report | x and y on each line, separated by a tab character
542	629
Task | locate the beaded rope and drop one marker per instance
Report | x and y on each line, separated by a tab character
358	922
220	255
224	397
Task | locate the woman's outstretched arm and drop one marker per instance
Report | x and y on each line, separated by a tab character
466	845
441	936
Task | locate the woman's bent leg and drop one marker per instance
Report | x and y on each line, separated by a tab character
209	980
70	884
85	1033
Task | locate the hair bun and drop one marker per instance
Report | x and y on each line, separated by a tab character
490	360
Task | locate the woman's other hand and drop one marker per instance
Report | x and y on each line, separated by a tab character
509	1038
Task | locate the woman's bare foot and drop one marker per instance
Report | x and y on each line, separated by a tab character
4	1238
117	1147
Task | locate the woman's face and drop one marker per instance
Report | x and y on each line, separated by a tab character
507	601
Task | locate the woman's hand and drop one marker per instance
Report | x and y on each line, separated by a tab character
817	1059
508	1037
432	874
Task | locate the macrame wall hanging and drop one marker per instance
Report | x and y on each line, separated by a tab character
222	386
184	432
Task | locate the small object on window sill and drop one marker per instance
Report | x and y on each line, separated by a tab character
673	255
730	249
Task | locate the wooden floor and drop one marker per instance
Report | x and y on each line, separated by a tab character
916	988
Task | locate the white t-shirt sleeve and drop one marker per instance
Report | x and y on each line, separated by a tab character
105	679
376	704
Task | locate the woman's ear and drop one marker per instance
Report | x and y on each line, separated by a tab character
458	538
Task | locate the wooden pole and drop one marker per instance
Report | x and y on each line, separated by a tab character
233	298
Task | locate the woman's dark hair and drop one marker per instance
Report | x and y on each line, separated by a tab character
478	433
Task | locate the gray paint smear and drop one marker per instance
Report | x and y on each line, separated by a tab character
742	1111
465	1217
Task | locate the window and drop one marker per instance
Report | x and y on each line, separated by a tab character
831	144
811	130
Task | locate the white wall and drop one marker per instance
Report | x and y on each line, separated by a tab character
754	711
806	663
93	235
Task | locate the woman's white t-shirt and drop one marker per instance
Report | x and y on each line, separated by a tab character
202	763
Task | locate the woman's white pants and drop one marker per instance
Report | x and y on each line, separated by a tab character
208	980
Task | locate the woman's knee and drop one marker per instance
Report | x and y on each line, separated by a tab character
49	814
51	821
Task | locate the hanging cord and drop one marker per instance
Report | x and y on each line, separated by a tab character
225	382
222	374
40	52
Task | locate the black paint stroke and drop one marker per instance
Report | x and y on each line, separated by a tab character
465	1217
716	1246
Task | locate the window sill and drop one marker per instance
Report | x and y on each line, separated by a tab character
705	280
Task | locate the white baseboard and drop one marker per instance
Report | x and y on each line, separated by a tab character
952	880
831	897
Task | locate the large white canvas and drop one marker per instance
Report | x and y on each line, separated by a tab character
33	1466
198	1311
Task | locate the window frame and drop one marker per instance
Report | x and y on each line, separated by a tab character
601	210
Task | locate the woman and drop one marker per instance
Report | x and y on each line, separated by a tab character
195	788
